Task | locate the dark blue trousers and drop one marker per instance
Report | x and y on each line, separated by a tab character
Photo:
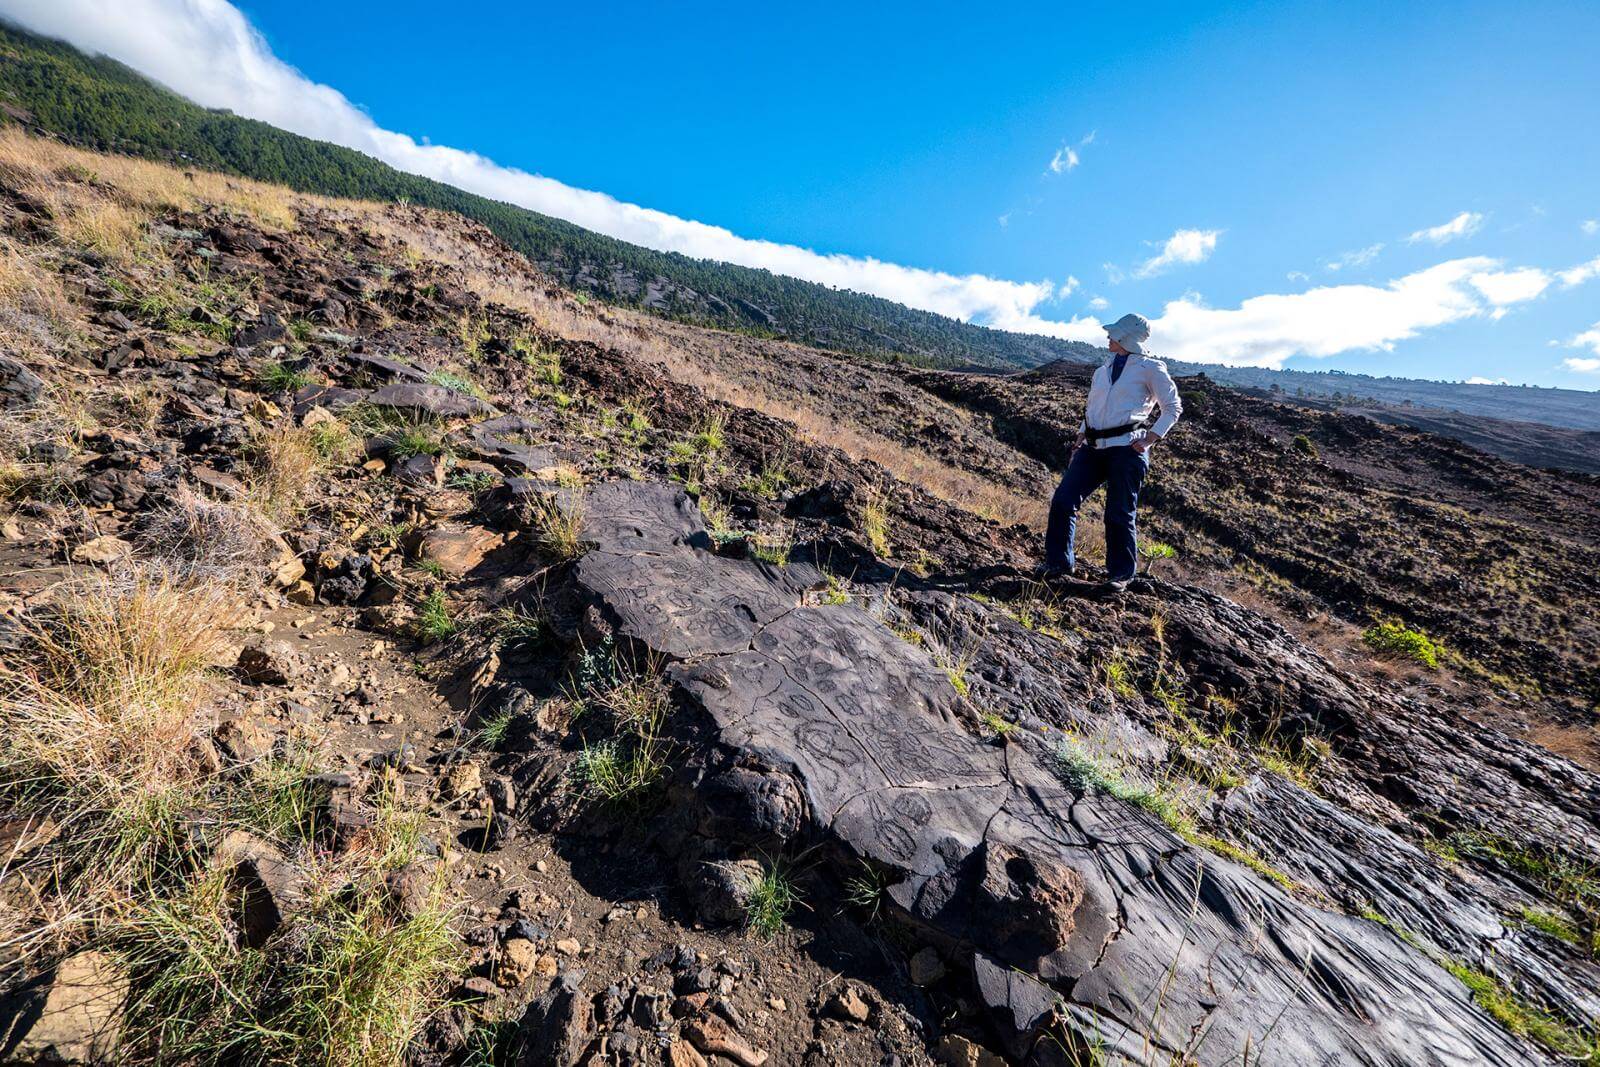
1121	470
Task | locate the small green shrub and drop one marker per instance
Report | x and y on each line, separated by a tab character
277	378
495	728
1398	639
770	901
1305	446
875	522
434	619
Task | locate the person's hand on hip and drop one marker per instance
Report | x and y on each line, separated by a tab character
1145	443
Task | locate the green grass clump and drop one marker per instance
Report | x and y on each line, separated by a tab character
277	378
1398	639
1526	1019
1552	925
1304	445
332	441
346	981
770	901
769	482
415	441
495	728
998	726
434	619
867	890
875	522
773	548
1083	770
519	626
836	593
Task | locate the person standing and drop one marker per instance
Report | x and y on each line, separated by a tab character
1113	449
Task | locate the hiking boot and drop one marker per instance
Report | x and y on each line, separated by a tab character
1115	585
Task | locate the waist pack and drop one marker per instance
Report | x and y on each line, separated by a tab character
1095	435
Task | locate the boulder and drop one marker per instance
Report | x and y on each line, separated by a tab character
508	442
518	956
19	386
458	548
268	663
242	741
556	1029
433	401
103	549
75	1018
267	887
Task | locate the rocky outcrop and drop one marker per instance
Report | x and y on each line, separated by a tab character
1074	909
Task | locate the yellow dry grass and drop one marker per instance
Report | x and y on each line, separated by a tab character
100	198
283	462
635	335
101	701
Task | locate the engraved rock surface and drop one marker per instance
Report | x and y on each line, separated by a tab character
1064	900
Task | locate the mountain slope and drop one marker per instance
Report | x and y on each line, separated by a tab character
99	103
574	705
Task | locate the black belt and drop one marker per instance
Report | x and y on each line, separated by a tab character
1094	435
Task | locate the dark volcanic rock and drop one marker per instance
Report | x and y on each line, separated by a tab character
431	400
505	441
1054	891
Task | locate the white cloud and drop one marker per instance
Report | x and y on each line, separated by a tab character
208	51
1004	220
1589	339
1590	226
1298	276
1324	321
1068	287
1067	157
1463	225
1359	258
1580	274
1479	380
1582	364
1184	246
1098	303
1503	288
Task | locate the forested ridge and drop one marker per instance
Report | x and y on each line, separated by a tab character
99	103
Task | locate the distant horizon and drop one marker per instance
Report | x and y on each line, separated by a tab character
1235	190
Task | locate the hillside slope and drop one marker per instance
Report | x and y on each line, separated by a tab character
99	103
526	682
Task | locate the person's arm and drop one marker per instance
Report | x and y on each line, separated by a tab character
1165	390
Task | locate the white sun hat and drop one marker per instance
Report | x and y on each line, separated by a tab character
1130	331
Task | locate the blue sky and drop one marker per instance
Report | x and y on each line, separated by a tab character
1268	149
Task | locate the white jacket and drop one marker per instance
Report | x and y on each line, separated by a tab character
1143	384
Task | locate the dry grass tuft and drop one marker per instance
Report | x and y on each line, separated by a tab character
99	705
206	540
557	521
283	462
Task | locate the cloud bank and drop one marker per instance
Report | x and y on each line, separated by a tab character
208	51
1266	330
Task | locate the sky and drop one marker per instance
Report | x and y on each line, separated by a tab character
1393	188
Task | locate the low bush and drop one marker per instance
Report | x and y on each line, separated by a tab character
1398	639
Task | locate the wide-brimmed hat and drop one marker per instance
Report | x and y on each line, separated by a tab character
1130	331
